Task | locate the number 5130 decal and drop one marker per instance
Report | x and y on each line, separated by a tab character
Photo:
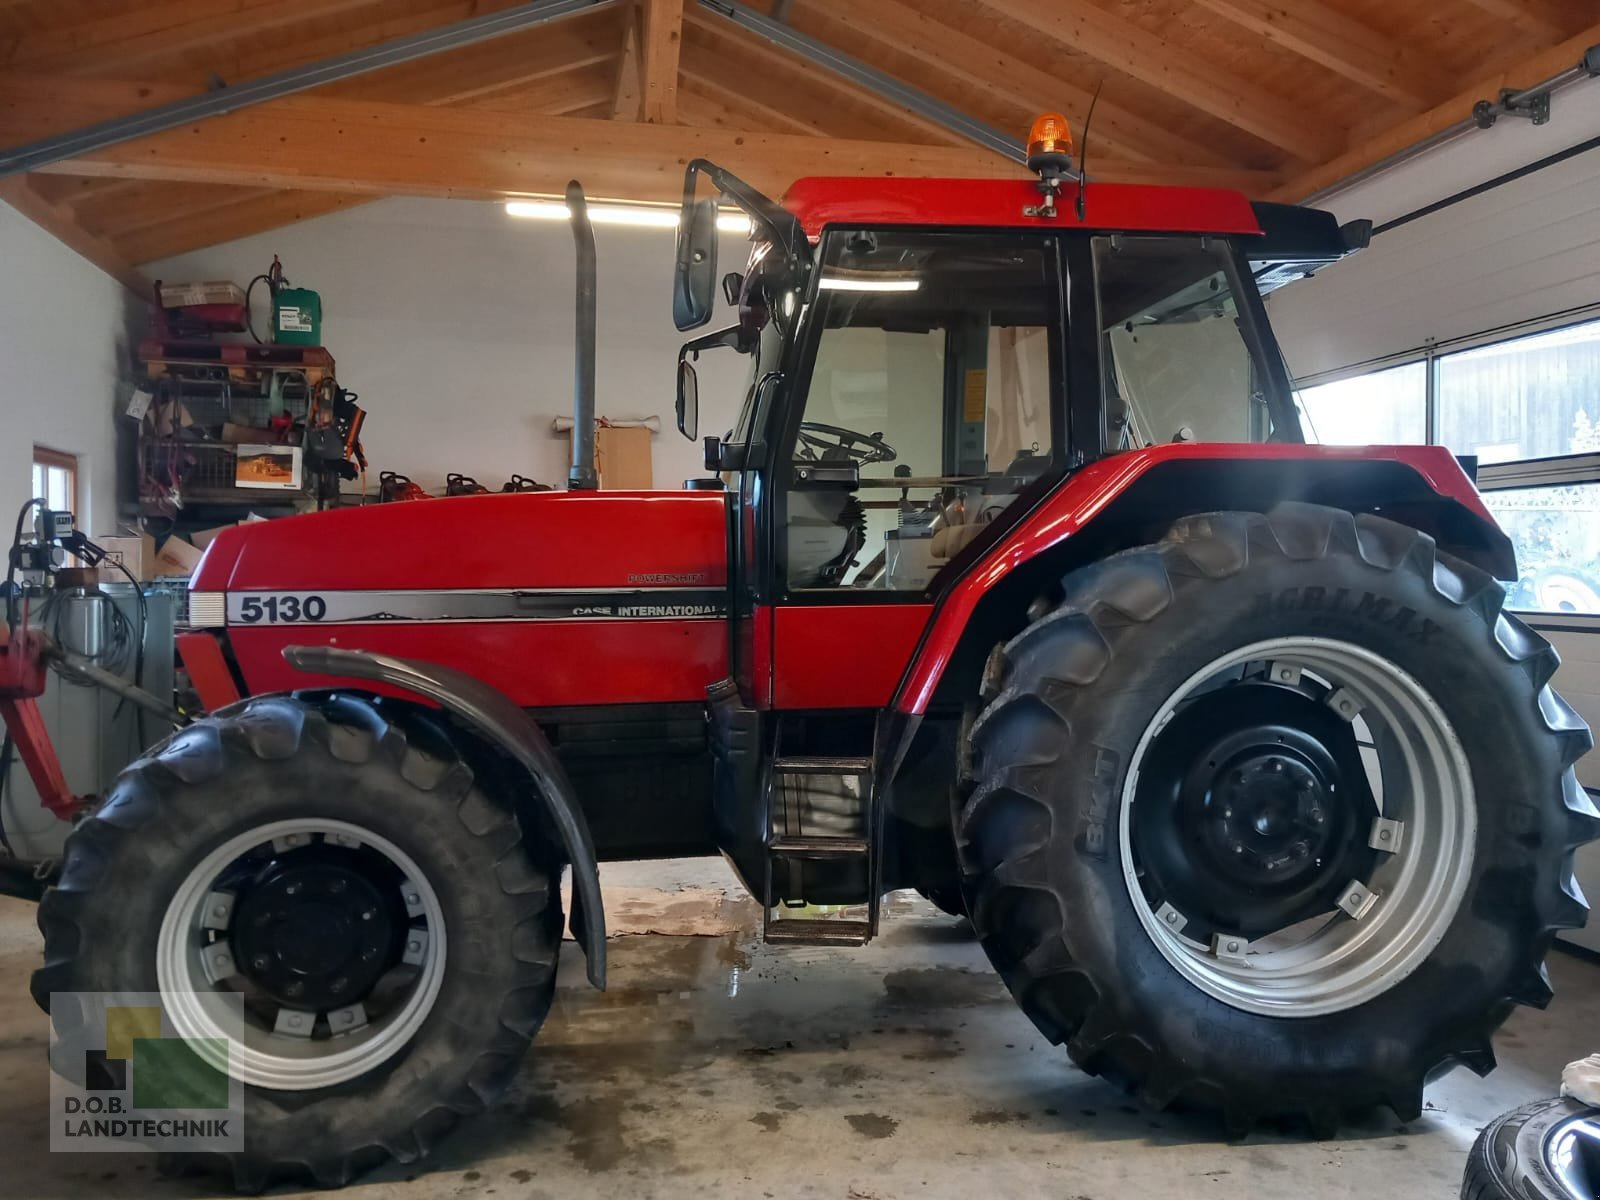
278	609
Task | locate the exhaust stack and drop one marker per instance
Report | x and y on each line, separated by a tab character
582	476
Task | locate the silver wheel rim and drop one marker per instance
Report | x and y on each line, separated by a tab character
194	980
1423	783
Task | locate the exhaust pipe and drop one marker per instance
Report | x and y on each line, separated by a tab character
582	476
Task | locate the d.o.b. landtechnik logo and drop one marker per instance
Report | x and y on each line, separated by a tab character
123	1079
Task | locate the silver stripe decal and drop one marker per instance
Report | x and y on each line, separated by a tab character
248	608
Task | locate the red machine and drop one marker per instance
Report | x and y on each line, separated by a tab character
1014	581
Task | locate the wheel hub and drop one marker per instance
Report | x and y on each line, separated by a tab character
1253	810
315	930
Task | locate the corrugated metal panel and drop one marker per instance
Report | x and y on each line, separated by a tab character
1520	252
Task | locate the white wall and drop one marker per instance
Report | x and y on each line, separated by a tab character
454	322
63	345
1521	251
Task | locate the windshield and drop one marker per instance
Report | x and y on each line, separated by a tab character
1178	365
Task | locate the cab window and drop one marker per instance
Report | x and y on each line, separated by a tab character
1178	364
928	406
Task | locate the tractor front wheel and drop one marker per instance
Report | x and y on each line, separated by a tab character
338	903
1276	816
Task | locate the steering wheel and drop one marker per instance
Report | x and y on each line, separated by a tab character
830	443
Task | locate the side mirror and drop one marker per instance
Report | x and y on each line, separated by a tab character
688	400
694	272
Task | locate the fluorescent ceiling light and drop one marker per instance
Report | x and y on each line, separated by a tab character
847	283
641	215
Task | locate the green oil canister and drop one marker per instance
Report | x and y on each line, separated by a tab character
296	317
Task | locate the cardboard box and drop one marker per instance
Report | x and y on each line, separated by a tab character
216	291
135	551
176	558
621	458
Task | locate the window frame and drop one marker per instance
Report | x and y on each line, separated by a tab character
1557	470
60	460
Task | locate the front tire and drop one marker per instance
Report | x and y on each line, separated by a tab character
1108	767
226	861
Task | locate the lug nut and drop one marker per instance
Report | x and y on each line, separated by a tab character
261	962
292	889
294	988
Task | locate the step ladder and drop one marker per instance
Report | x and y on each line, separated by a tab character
821	812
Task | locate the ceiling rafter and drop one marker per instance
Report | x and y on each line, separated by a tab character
463	152
977	64
626	96
1172	68
659	49
60	222
254	212
1323	35
1541	17
1534	69
128	44
721	105
763	55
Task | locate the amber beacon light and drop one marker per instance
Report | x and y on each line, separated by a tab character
1050	145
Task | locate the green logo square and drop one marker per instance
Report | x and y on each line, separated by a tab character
170	1073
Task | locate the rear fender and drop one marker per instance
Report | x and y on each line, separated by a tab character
1131	499
498	721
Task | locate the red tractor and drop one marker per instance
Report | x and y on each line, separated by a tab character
1015	581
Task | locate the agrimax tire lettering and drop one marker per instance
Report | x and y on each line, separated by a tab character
1368	606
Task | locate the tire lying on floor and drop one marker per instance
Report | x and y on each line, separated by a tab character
1547	1150
393	937
1276	816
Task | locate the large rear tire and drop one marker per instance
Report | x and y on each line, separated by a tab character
1183	769
210	849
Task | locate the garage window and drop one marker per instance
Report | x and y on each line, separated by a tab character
55	479
1528	408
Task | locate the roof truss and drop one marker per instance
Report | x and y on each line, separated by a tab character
1274	96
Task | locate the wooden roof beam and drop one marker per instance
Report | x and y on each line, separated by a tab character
626	94
763	55
1531	70
1172	68
392	149
659	49
254	212
1540	17
1325	36
61	223
126	43
977	64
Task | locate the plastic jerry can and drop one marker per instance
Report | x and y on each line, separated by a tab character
296	317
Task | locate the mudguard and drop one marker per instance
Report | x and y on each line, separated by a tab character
494	717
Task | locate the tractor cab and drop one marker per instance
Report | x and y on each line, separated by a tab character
930	360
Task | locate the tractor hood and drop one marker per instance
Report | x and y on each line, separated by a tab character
521	541
553	598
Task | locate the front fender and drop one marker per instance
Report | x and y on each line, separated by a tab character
494	717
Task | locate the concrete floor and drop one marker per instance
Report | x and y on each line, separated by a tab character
716	1065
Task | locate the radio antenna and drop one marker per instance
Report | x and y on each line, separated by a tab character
1083	152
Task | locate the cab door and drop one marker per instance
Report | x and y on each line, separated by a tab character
924	410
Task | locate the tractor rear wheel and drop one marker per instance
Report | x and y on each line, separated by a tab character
1274	817
378	920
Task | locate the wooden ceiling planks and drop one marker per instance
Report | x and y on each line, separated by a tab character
1275	95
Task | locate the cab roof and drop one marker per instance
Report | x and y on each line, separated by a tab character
820	201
